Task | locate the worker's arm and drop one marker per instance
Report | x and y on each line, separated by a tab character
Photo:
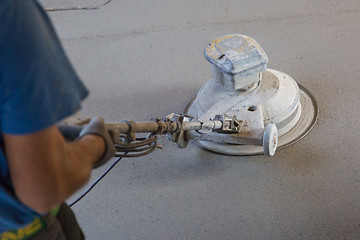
45	169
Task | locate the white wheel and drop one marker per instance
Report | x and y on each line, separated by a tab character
270	140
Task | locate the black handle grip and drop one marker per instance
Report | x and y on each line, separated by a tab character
70	132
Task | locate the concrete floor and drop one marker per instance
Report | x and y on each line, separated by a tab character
144	59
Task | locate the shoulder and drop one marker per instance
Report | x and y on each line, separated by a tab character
38	84
18	15
11	5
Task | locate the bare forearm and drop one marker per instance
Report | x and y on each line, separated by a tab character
79	159
45	169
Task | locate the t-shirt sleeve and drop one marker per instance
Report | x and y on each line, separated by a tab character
38	85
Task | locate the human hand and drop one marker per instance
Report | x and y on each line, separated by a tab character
97	127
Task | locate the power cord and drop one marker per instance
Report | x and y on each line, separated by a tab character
126	148
138	148
95	182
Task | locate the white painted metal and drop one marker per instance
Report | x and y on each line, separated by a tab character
308	118
241	86
270	140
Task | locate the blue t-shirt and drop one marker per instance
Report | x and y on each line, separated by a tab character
38	88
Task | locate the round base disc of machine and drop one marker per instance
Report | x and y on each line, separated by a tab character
308	118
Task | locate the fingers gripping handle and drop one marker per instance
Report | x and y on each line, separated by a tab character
96	127
70	132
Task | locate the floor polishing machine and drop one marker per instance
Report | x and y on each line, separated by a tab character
245	109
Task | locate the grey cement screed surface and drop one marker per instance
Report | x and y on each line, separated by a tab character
144	59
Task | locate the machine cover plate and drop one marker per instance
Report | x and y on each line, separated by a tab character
308	118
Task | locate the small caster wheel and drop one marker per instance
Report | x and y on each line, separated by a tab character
270	140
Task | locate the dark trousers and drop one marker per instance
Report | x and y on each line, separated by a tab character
62	227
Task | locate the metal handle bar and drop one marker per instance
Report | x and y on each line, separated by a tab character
160	127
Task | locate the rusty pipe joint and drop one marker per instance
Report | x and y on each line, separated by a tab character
237	62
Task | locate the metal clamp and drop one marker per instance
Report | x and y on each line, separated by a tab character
230	125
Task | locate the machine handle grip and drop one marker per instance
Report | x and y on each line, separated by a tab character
70	132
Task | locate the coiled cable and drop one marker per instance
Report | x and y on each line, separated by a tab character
125	148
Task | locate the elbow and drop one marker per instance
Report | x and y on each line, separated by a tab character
41	208
39	205
40	202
